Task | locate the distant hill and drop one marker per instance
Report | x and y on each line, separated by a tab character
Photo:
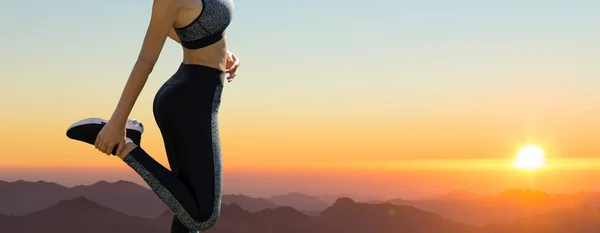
79	215
24	197
123	196
251	204
330	199
459	195
509	205
300	201
344	216
580	219
349	216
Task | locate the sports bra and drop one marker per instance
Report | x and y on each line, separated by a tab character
209	27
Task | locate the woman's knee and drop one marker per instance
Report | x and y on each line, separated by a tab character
204	220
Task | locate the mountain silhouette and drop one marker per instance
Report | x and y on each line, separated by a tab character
300	202
248	203
349	216
24	197
234	219
458	195
79	215
509	205
580	219
330	199
514	210
343	216
123	196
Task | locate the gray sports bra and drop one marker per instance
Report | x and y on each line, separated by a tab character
210	25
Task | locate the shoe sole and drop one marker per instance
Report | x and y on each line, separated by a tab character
96	120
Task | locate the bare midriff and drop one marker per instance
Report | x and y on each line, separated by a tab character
214	55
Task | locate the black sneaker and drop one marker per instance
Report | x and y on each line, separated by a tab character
86	130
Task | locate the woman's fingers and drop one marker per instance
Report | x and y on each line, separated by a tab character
110	148
230	77
104	147
107	139
120	147
100	144
232	71
97	142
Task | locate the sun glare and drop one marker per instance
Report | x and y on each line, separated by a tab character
530	157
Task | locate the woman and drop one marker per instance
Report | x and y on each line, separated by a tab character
185	109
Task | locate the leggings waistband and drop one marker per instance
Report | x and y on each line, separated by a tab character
196	68
197	74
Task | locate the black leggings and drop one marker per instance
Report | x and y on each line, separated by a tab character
186	111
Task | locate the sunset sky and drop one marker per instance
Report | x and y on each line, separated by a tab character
406	98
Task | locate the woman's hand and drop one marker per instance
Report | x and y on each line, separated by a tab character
232	64
109	136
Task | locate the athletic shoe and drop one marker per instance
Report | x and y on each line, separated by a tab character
86	130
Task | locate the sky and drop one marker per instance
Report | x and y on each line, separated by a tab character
411	97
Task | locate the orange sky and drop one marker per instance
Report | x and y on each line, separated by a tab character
303	136
325	152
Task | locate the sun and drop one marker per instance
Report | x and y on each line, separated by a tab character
530	157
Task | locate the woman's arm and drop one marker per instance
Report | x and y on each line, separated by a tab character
174	36
164	13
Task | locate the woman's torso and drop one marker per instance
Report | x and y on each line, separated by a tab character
200	26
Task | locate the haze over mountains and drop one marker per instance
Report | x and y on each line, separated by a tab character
127	207
507	206
24	197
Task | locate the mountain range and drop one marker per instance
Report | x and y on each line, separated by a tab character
56	208
24	197
344	216
509	205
